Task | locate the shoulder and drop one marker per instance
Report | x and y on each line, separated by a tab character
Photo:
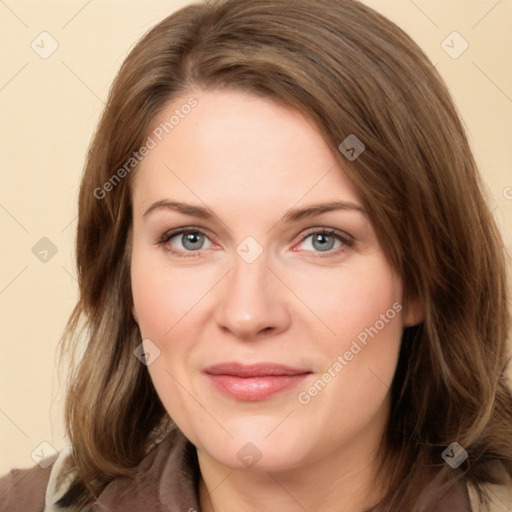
24	490
451	491
166	475
34	489
500	497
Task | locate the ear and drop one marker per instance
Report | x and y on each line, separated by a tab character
413	312
134	313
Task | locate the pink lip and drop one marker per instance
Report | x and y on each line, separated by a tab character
254	382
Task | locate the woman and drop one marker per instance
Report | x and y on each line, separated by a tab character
292	289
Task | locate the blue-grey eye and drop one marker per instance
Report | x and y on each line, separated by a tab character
323	242
192	241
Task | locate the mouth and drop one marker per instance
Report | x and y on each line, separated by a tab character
255	381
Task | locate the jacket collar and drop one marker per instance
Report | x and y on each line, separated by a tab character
166	480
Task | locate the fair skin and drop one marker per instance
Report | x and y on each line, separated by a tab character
300	303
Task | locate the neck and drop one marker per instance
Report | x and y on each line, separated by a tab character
344	480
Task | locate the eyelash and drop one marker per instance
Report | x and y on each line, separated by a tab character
346	239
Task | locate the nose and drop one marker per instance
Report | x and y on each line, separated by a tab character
253	301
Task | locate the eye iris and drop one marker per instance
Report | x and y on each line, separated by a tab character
192	238
321	238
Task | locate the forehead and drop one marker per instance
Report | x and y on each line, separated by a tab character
239	150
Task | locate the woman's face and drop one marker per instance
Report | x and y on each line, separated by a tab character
271	344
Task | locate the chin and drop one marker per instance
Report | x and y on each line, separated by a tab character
259	451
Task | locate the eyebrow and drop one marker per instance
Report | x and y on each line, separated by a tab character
292	215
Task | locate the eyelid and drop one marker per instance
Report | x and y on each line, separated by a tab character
181	231
345	237
347	241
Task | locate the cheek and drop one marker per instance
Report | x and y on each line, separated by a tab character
363	310
162	298
353	299
162	295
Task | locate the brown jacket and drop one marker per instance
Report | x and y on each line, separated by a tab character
167	481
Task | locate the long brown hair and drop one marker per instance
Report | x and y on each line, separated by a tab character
353	72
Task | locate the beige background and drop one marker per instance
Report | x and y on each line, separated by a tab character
49	109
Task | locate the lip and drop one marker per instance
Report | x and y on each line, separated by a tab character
255	381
